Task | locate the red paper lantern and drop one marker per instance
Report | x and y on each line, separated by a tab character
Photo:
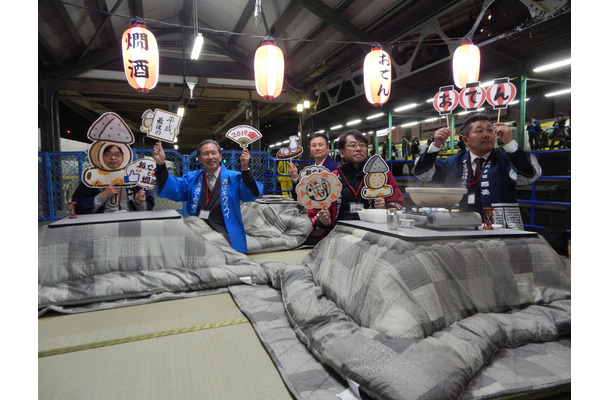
140	57
269	69
377	71
466	64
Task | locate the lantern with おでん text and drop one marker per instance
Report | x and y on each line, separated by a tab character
377	71
269	69
140	57
466	64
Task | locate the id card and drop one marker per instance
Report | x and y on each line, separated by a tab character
204	214
355	207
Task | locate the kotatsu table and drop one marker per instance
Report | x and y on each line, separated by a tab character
475	316
407	314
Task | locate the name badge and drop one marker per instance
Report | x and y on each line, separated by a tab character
355	207
471	198
204	214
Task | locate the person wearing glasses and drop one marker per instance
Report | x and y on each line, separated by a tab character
352	147
93	200
494	181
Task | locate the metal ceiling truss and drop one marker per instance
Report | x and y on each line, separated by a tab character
347	84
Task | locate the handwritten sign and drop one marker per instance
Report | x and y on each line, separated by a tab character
318	190
243	135
161	125
142	173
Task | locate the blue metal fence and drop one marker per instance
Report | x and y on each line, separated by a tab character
59	175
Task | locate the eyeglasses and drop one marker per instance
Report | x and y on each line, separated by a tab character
115	155
353	146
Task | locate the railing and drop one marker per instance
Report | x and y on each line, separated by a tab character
59	175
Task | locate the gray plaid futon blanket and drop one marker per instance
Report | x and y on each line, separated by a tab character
466	319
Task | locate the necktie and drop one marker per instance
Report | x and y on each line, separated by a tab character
477	171
211	180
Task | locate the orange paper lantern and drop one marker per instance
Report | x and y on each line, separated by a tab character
140	57
269	69
377	73
466	64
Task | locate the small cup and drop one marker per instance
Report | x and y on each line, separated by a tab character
392	219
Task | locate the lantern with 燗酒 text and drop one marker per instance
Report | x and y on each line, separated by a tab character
377	72
466	64
140	57
269	69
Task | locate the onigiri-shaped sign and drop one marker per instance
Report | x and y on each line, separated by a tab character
108	130
318	190
243	135
376	178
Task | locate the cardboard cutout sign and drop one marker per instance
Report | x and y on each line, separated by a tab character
108	130
318	189
446	100
142	173
472	96
243	135
293	150
375	178
161	125
501	93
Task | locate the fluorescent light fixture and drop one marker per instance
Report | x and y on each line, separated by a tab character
306	104
320	131
300	107
405	107
180	111
375	116
353	122
278	144
408	124
286	142
197	46
336	127
431	119
559	92
553	65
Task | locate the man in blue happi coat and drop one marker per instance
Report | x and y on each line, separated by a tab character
213	193
493	183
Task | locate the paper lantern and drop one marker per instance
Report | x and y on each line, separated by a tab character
377	71
466	64
140	57
269	69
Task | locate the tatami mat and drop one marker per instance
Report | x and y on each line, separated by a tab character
286	256
203	362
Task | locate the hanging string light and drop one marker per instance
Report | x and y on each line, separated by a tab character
140	56
269	69
377	71
466	64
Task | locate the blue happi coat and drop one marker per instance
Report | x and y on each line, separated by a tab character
232	190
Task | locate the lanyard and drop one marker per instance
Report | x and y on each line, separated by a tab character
208	194
350	186
470	183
